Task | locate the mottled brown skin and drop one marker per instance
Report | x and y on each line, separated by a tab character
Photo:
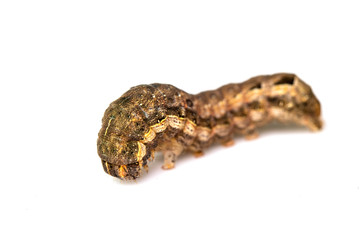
161	117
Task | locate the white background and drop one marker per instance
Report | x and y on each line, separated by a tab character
63	62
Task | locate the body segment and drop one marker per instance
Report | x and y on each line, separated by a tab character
161	117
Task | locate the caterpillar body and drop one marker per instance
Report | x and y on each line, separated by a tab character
161	117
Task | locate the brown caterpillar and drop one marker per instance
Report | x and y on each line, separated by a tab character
161	117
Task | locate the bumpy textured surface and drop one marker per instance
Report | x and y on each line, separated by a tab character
161	117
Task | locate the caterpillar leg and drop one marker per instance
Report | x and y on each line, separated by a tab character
171	150
228	143
198	154
251	134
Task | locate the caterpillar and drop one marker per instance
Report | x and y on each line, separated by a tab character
161	117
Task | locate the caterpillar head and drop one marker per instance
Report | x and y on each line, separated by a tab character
293	100
122	159
119	143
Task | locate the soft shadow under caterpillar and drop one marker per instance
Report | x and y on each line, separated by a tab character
161	117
